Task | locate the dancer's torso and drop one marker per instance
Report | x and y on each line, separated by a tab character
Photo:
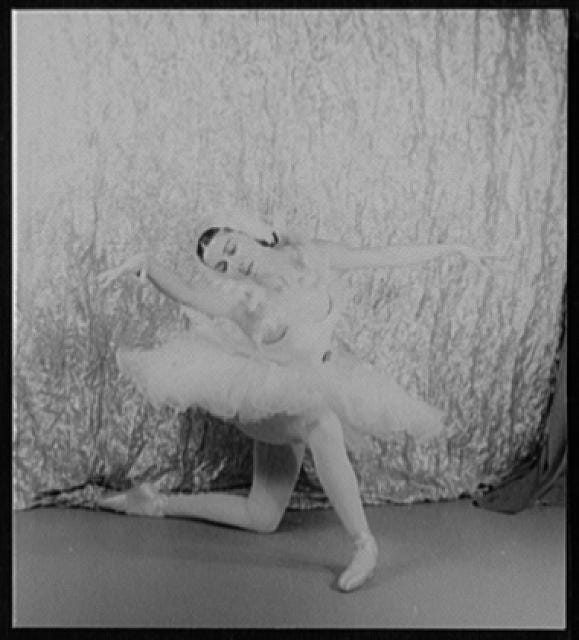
294	325
297	326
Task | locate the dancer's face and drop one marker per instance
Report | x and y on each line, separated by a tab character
234	254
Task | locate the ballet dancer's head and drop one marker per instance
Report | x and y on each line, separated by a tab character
235	253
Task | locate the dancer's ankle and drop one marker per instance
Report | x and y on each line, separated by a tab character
364	539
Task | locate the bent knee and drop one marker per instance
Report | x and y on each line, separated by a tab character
264	519
266	524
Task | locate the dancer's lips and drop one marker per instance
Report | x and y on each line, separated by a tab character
249	268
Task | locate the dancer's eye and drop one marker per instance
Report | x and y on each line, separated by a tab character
230	248
221	266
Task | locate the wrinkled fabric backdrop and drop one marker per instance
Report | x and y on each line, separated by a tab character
371	128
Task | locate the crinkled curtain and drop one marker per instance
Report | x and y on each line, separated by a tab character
366	127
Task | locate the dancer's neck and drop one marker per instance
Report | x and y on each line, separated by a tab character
286	271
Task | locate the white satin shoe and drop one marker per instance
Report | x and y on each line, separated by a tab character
143	500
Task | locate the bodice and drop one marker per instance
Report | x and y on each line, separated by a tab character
297	326
294	324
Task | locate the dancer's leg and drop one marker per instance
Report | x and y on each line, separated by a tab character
335	472
275	471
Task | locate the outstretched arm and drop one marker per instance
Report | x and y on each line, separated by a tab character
203	298
343	258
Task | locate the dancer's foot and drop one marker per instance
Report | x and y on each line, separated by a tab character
363	563
143	500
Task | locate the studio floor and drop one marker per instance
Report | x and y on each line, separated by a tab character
443	565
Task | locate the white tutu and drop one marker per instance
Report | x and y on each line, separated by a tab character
231	382
259	379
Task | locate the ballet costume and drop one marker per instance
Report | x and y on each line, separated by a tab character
289	367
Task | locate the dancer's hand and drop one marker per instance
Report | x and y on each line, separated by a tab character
481	259
136	265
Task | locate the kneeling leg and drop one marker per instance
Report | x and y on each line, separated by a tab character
275	471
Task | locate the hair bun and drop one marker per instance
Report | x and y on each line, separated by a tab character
257	229
272	243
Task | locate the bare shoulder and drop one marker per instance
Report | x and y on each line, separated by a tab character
336	255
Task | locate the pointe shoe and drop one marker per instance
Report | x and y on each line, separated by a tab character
143	500
116	502
361	569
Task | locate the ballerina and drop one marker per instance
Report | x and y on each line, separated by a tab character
274	371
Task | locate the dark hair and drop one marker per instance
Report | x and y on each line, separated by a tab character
204	240
274	241
208	235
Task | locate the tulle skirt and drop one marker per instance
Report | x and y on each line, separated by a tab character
265	397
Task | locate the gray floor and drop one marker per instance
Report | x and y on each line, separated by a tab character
446	565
